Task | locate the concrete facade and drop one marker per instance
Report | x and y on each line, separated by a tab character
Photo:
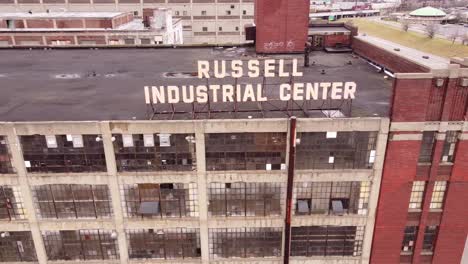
115	180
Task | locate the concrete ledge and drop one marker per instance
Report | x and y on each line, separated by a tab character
15	225
161	223
333	220
422	75
247	176
245	221
75	224
170	177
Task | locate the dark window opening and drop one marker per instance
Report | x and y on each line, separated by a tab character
5	160
16	246
245	151
245	242
448	151
430	236
63	153
155	152
64	201
81	244
327	241
161	200
427	145
245	199
11	206
409	239
336	150
331	197
180	243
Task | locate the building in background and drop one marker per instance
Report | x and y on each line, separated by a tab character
203	21
89	29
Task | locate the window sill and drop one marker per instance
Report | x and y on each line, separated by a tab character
424	163
427	253
414	210
406	253
445	163
434	210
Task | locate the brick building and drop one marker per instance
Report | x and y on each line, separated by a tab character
89	29
421	217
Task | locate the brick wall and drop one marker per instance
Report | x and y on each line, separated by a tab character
40	23
456	101
282	25
50	39
98	23
122	19
98	39
332	40
390	61
410	99
454	227
398	173
69	23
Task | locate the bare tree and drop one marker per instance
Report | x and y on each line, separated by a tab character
405	24
453	37
464	39
431	30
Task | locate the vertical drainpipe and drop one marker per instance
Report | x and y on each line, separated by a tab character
289	192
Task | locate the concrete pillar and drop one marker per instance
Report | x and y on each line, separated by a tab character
114	190
375	189
17	161
202	191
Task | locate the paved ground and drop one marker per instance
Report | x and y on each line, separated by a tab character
107	84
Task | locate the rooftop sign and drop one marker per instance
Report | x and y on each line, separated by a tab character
248	92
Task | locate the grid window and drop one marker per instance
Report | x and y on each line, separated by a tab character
427	144
11	203
63	153
245	199
160	200
81	244
448	152
5	162
409	238
16	246
430	236
438	194
64	201
327	241
245	151
176	243
245	242
417	194
155	152
342	150
331	198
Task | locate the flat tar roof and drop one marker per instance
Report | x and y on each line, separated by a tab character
108	84
64	15
424	59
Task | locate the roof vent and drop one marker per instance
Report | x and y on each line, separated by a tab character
425	57
396	49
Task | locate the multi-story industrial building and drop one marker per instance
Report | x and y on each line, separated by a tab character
204	21
70	29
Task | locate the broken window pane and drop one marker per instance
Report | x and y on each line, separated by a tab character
245	199
81	244
430	235
245	242
155	152
327	241
72	201
160	200
16	246
331	197
245	151
11	203
5	162
448	152
174	243
341	150
77	153
409	238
